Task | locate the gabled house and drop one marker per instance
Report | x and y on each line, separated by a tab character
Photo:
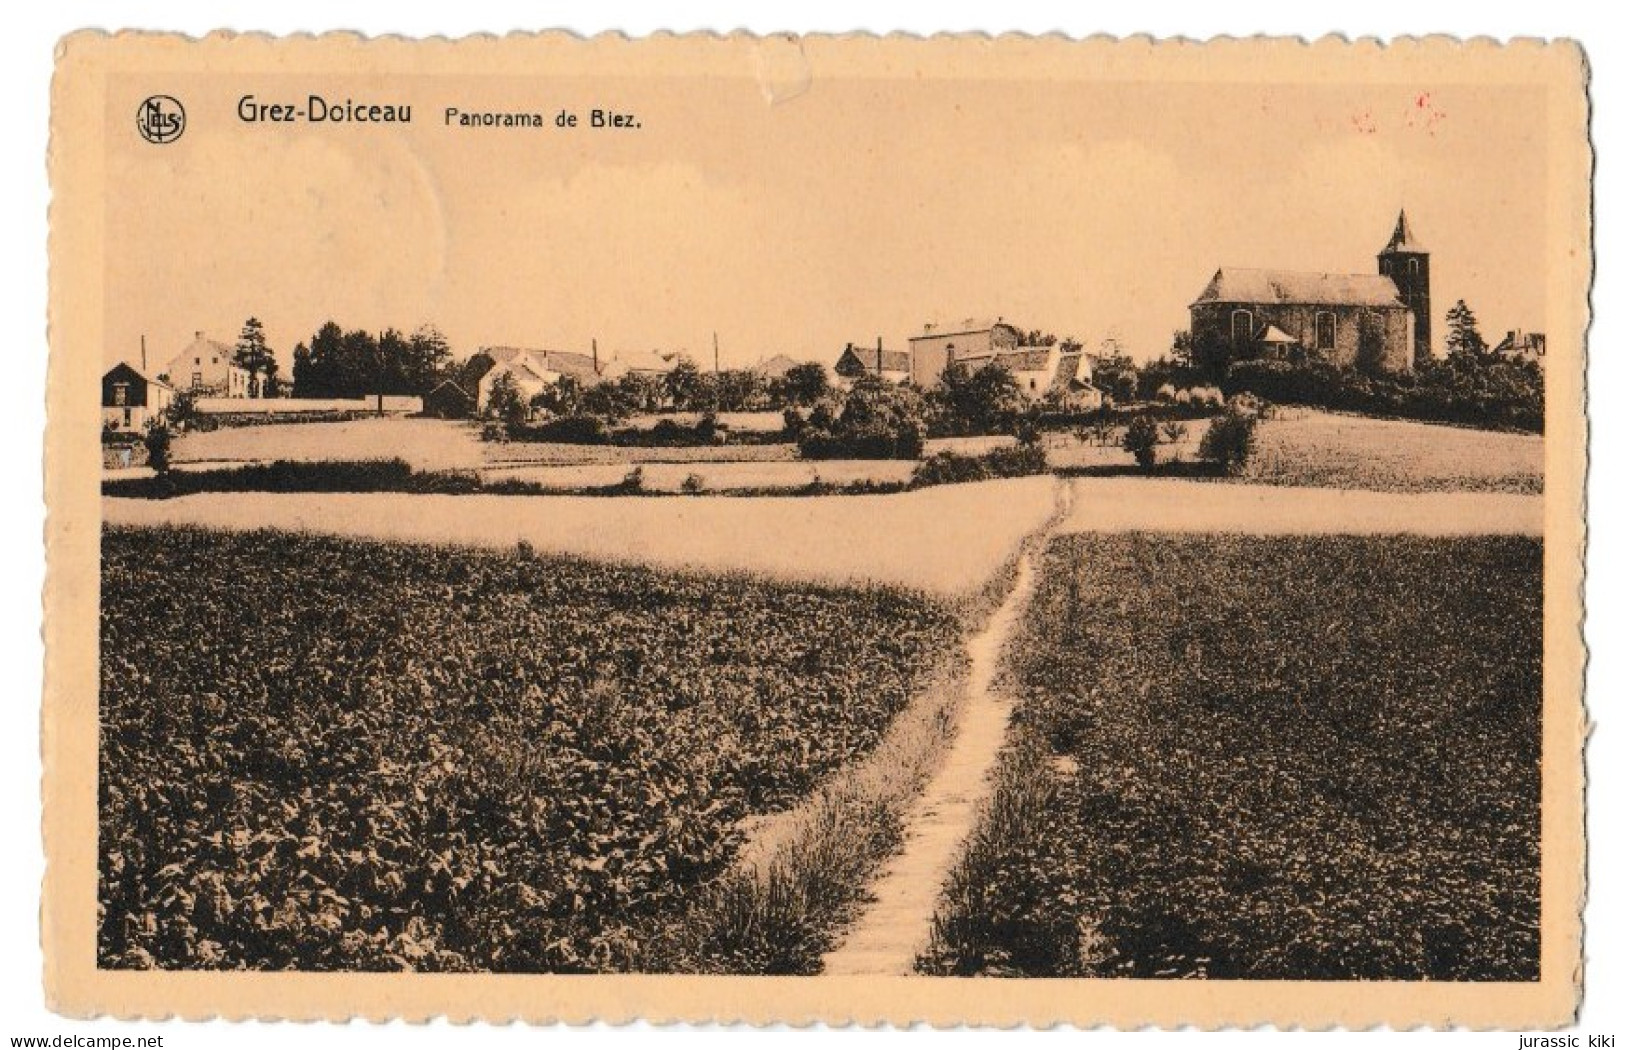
1073	389
131	399
777	366
1524	346
858	361
535	371
205	367
448	400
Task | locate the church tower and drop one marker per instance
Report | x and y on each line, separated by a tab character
1406	261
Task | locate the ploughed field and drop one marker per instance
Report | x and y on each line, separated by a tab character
1265	757
331	754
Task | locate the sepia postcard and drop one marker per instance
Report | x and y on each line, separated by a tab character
962	530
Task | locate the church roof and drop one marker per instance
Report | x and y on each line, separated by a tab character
1233	285
1403	239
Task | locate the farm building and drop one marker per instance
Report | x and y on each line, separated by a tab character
938	344
535	371
448	401
204	367
1524	346
858	361
1072	388
1376	320
777	366
131	399
653	363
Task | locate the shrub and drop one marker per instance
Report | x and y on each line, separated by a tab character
633	482
568	430
794	422
948	468
158	448
693	485
1482	390
1229	439
1140	441
880	420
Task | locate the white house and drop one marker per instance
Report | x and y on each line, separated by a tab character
535	371
205	368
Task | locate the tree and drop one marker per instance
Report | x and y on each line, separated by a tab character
1463	337
880	420
505	403
684	386
1140	441
157	441
427	355
254	356
738	390
1116	374
805	383
561	398
981	402
1229	439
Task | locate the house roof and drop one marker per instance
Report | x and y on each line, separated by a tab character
937	330
1403	239
776	366
564	362
865	357
1071	374
648	361
1235	285
127	367
1026	358
1273	334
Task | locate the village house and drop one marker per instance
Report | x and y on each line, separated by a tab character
858	361
1379	321
535	371
131	400
448	400
1524	346
205	368
938	344
776	367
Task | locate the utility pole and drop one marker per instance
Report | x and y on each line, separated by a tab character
143	353
716	353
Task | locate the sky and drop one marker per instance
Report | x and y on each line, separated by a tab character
860	208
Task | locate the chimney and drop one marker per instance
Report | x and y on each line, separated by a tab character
198	335
880	361
595	357
143	353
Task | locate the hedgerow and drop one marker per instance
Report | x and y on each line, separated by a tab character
326	754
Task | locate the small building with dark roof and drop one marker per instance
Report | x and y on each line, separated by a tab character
131	399
858	361
448	401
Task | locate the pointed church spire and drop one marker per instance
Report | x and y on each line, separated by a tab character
1403	240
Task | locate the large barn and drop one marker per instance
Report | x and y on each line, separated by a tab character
1378	321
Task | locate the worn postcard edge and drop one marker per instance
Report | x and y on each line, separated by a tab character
784	65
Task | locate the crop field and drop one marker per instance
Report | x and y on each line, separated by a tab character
714	475
1211	774
328	754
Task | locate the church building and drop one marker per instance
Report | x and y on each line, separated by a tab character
1377	321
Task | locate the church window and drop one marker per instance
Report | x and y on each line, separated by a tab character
1413	265
1325	330
1241	326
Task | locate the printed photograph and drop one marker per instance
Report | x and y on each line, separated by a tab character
823	524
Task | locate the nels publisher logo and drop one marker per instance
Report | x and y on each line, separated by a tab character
161	119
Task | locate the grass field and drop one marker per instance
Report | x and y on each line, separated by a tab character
1215	773
949	539
328	754
1302	447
